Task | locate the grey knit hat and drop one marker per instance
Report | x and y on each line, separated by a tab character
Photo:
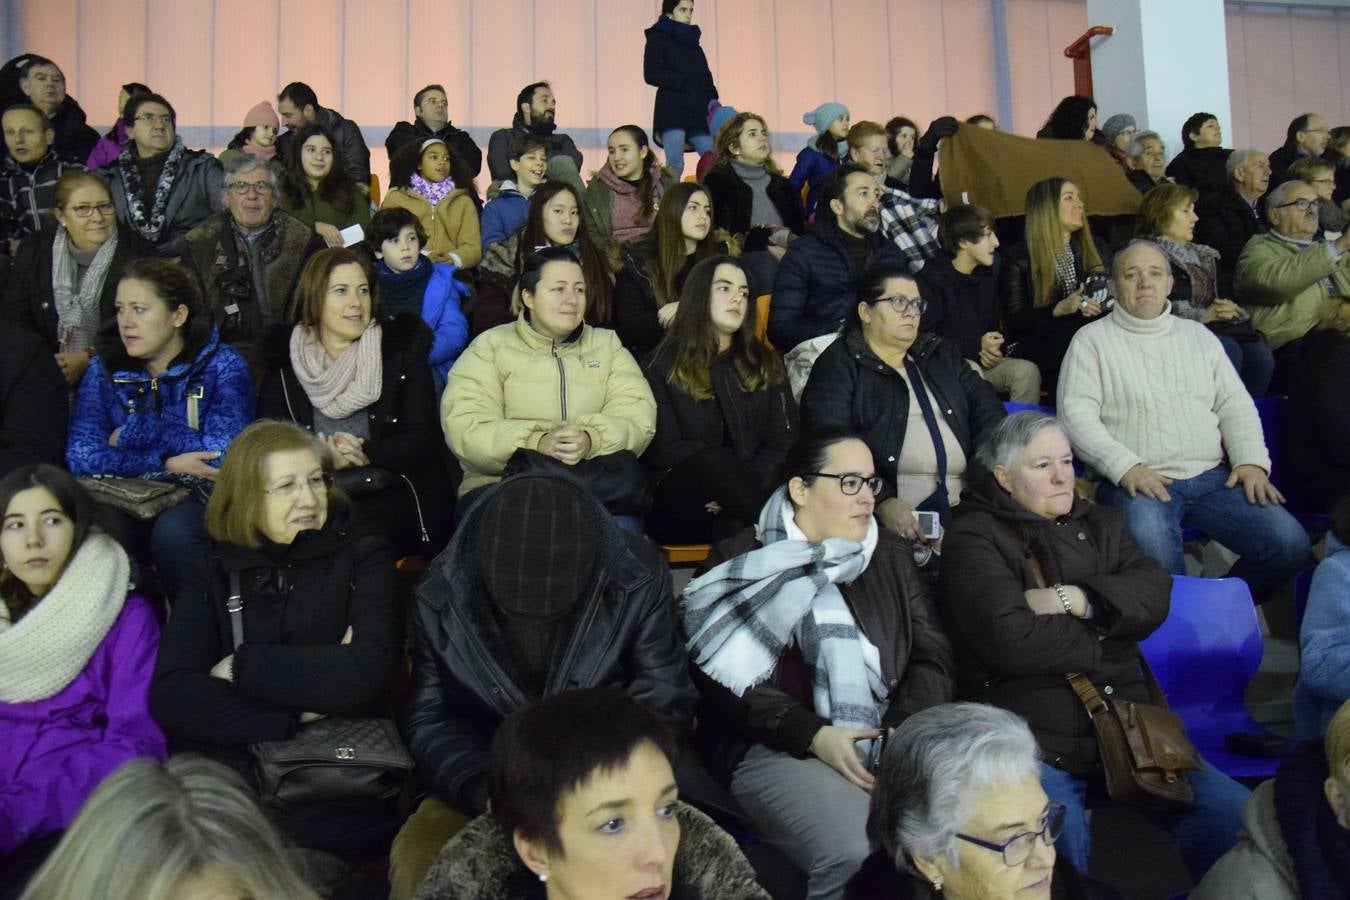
1116	124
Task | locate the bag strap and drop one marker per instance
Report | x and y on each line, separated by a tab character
234	605
1032	562
920	391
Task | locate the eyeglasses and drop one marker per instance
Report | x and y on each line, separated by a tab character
243	188
85	210
1303	204
1017	849
152	119
850	484
904	304
289	490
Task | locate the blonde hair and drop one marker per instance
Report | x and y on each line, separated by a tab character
151	826
1337	741
234	513
1045	237
730	135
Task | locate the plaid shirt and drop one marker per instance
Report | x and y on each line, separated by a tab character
27	196
911	223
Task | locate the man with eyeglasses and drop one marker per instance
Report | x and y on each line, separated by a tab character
28	175
44	84
1285	275
248	257
1308	135
160	188
817	280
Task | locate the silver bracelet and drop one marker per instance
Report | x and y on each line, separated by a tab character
1063	598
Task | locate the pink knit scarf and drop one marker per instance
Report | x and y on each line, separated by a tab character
258	150
625	223
338	387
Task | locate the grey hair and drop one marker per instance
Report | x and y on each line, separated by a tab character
1280	195
935	766
1135	148
1011	435
1118	260
151	826
1237	159
243	163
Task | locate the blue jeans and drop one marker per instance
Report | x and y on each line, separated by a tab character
177	538
1204	832
1253	361
673	141
1273	546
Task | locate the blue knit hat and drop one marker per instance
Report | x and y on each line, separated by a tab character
823	116
719	116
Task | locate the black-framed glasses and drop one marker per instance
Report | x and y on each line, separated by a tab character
902	304
289	490
1303	204
1018	848
85	210
850	484
243	188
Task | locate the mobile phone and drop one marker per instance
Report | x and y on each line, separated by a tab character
930	525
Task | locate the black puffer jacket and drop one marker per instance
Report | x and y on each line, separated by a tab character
635	317
405	431
1203	169
1043	337
299	600
195	195
1226	224
621	635
34	402
1009	656
850	386
760	425
733	200
675	65
893	607
961	308
29	299
817	283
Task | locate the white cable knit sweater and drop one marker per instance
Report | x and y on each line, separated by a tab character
1159	392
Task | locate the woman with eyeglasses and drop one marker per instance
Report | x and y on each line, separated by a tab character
64	278
321	625
1017	633
812	634
919	406
959	813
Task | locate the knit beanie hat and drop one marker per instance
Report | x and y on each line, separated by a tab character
1115	125
719	116
536	549
262	114
823	116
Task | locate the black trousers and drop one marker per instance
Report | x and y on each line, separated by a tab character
679	513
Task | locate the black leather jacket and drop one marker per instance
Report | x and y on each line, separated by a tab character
622	634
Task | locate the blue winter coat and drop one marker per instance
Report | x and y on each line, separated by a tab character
153	413
1324	643
812	168
503	215
441	311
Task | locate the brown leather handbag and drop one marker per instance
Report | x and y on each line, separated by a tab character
1144	749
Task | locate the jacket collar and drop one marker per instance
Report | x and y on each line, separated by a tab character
525	331
332	538
857	346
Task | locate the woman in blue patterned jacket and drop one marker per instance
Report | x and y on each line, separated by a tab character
162	399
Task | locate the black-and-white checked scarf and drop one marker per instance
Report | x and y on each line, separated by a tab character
742	615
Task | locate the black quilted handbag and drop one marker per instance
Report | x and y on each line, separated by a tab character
328	759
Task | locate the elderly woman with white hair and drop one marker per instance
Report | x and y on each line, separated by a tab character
958	812
1048	585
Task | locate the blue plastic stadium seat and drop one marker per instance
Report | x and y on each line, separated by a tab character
1012	407
1204	655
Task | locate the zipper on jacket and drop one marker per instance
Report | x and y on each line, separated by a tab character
286	392
417	506
562	380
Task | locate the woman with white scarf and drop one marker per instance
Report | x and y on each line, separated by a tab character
812	635
363	385
64	278
76	655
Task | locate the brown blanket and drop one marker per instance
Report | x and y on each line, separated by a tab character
994	169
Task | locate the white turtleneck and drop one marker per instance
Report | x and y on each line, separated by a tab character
1156	391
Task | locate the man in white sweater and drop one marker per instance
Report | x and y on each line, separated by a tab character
1151	402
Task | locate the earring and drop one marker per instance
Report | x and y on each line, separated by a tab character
543	876
937	884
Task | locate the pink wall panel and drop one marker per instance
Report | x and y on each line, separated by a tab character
777	57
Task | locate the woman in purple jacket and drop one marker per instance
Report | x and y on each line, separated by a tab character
76	655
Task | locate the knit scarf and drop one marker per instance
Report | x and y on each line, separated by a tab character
338	387
1200	263
264	153
434	191
682	33
742	615
150	225
624	207
77	308
402	292
1318	846
51	645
